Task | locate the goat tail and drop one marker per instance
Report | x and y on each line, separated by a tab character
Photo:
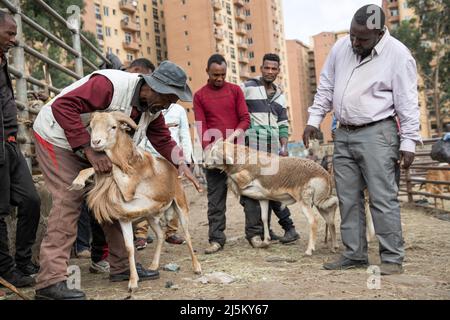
327	203
104	199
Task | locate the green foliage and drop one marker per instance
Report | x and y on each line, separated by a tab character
428	39
47	47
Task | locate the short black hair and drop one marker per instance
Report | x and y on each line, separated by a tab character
367	12
216	58
144	63
271	57
4	15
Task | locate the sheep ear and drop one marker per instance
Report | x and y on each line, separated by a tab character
124	120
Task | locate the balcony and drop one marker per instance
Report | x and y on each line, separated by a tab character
244	74
393	5
128	5
127	25
219	35
239	16
241	31
131	45
238	3
217	5
244	59
218	20
242	45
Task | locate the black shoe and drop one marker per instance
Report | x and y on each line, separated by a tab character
18	279
273	236
29	269
344	263
144	274
59	291
290	236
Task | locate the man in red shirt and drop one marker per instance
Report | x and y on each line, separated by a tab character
220	110
63	149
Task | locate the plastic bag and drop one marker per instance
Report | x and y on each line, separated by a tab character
441	151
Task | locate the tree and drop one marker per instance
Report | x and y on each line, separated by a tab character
39	42
428	38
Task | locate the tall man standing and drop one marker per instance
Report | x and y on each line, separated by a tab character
219	109
16	184
369	79
268	132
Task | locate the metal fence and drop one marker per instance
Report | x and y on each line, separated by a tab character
17	68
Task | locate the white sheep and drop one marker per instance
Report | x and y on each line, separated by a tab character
140	187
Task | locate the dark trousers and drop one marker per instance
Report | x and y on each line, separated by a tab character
90	235
17	189
253	222
217	199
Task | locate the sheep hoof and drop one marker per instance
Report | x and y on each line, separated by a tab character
308	252
132	287
198	271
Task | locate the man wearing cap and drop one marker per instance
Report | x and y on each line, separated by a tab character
63	149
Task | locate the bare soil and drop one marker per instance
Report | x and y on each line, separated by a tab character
283	271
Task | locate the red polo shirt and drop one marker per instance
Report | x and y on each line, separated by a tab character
221	109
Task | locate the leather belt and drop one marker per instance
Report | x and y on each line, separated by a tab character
350	127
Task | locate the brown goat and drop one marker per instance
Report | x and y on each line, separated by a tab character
265	177
140	187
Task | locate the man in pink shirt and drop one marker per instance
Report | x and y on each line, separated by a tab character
220	109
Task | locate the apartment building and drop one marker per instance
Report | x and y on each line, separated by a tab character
303	83
130	29
396	11
241	30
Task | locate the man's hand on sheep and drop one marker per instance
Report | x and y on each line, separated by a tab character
183	170
99	160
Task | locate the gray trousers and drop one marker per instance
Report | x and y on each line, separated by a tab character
368	157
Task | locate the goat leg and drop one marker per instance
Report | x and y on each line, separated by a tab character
265	219
127	231
80	181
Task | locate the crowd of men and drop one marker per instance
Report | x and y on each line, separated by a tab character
369	81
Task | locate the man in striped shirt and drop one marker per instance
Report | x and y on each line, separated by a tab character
269	132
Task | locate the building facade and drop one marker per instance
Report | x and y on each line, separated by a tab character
129	29
302	77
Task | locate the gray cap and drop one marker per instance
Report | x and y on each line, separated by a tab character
169	78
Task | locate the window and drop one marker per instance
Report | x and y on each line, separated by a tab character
106	11
117	51
249	26
158	41
231	37
158	55
253	69
98	16
232	53
186	33
251	55
149	50
233	67
130	57
99	31
230	24
228	8
146	21
155	14
116	32
147	36
156	27
114	12
144	7
128	37
108	31
394	12
109	50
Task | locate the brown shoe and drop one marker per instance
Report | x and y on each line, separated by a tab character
256	242
388	269
213	248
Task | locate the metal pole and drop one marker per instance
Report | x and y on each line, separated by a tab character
73	23
21	86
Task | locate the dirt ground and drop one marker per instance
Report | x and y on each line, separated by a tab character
283	271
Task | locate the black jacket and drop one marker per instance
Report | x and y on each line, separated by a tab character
2	124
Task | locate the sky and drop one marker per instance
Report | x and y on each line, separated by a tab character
305	18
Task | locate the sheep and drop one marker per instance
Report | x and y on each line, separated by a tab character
296	180
438	189
140	187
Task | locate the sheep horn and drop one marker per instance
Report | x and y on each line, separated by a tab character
122	117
